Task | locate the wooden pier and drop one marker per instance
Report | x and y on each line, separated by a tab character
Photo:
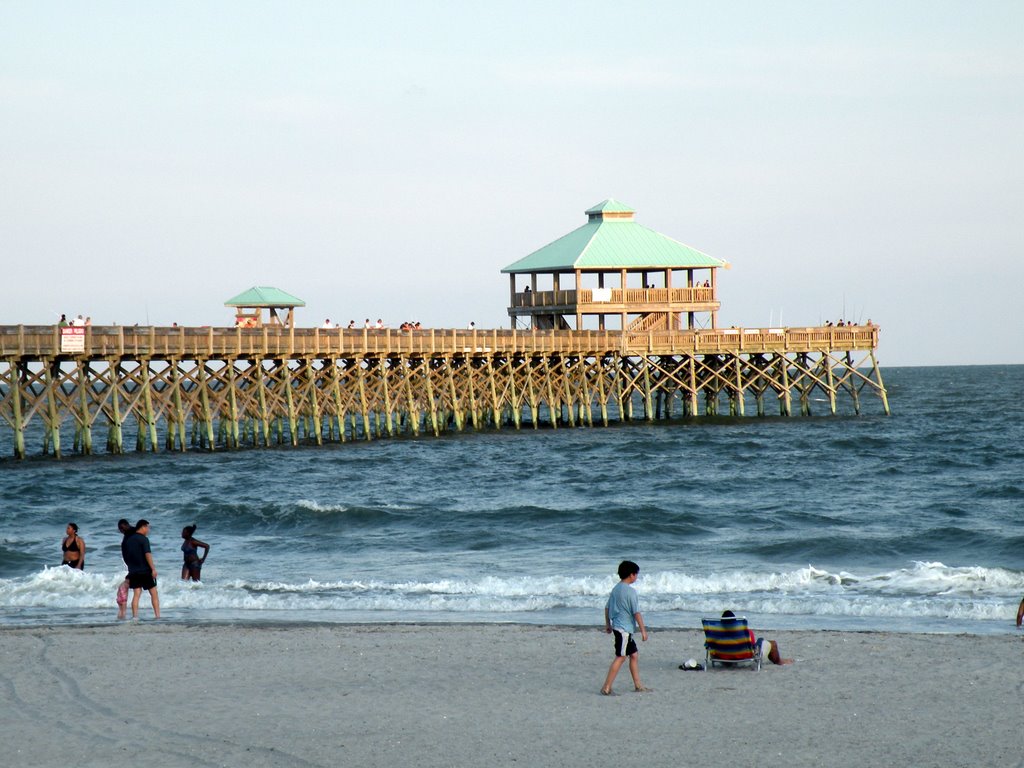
227	388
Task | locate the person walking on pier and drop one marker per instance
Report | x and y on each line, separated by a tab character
190	569
73	547
622	618
141	568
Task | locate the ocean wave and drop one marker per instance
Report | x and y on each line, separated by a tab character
926	589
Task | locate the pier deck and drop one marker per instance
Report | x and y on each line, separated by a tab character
228	387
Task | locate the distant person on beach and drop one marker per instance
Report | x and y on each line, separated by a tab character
73	547
63	322
621	619
141	568
768	649
122	589
1020	612
190	548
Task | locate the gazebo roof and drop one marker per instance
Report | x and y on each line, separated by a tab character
611	239
264	297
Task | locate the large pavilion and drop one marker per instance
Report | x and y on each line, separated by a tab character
622	274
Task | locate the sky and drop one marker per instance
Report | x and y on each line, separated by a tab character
861	160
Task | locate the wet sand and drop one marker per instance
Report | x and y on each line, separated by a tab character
167	694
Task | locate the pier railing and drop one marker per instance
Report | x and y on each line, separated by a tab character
100	342
632	296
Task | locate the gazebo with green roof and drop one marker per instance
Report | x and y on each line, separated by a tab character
623	274
249	306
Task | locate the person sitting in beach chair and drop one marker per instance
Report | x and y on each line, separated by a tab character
729	641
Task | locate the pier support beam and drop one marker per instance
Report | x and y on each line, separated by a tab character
388	392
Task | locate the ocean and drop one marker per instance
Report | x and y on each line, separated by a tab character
912	522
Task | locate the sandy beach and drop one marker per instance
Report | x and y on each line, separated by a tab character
166	694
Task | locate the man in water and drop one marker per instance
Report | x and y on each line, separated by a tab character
141	568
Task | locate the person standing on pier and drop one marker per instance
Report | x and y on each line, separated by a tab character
141	568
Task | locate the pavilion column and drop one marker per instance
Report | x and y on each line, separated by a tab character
556	286
714	296
622	283
512	299
579	289
675	319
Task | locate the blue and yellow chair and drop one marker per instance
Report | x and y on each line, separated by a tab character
727	642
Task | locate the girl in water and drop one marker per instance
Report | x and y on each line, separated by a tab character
73	547
190	548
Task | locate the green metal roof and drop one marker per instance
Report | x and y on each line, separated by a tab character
617	242
611	205
264	297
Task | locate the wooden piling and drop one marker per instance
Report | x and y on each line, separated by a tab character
306	389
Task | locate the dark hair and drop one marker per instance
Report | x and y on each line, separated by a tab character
124	526
74	527
141	523
627	568
728	615
188	530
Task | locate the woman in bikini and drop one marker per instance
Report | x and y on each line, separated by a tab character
73	547
190	549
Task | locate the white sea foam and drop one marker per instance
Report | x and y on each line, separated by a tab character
313	506
929	590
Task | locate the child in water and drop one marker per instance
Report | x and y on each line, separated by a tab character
190	569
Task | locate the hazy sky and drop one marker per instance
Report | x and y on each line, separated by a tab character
388	159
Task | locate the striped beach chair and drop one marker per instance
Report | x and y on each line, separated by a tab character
727	642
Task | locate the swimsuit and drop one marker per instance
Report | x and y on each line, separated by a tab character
72	547
191	558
